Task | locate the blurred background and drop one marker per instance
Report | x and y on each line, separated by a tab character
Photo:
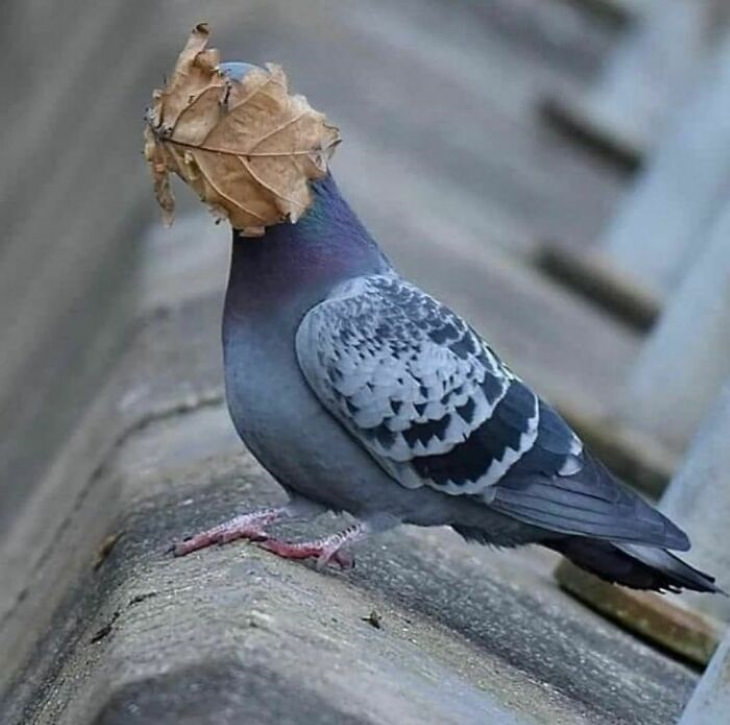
555	170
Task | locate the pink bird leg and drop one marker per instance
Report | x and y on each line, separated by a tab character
246	526
325	550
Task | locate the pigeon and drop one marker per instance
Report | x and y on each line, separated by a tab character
361	393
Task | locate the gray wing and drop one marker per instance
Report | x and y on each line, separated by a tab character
434	405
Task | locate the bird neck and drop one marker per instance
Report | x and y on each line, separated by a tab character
293	266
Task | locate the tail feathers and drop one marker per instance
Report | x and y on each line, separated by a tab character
635	566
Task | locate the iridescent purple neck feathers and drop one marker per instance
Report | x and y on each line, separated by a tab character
297	264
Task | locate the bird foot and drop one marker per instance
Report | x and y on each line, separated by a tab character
309	550
246	526
329	549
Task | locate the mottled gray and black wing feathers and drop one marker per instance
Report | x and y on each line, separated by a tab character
425	395
415	385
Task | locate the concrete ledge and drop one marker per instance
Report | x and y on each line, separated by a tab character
616	12
687	633
594	278
569	116
157	635
464	633
172	365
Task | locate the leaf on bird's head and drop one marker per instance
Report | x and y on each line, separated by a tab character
247	147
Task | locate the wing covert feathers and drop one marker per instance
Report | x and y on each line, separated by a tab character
435	406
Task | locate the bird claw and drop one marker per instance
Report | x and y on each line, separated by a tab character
205	539
318	550
342	558
247	526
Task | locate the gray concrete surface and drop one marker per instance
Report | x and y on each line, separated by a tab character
710	701
686	359
645	76
71	209
661	226
698	499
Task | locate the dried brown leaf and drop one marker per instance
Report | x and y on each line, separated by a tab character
248	148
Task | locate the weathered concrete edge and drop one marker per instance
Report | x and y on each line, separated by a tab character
75	675
106	659
102	429
592	277
565	116
688	634
615	12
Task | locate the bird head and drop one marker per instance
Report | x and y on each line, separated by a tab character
235	134
237	70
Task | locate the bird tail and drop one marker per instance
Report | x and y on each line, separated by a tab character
635	566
